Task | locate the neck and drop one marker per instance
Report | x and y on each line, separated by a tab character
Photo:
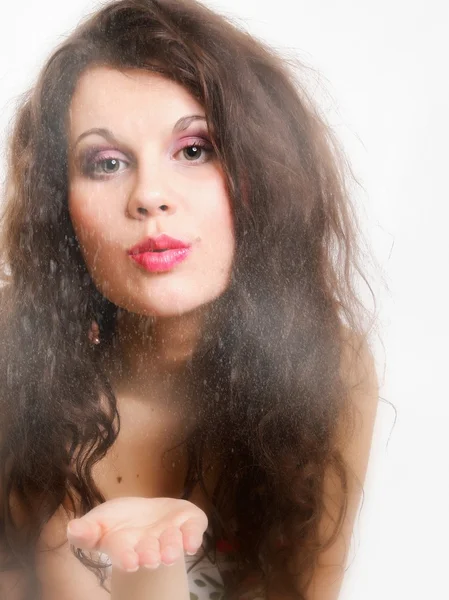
152	352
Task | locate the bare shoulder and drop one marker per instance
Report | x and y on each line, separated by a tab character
358	373
357	361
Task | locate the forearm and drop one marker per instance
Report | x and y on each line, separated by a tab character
164	583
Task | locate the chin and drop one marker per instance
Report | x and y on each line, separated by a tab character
166	304
166	310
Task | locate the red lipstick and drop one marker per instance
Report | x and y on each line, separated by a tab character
159	254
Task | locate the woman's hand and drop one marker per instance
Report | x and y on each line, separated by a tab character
136	532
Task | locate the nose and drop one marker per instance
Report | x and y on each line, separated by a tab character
151	196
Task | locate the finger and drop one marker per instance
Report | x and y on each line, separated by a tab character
119	546
84	534
192	534
148	551
171	547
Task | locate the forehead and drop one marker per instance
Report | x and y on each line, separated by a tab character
108	96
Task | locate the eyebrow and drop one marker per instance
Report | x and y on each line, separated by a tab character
180	125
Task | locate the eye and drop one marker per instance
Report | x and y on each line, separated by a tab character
109	165
100	164
105	165
197	148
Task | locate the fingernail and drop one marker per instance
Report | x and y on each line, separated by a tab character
152	567
133	570
171	561
172	556
168	564
191	553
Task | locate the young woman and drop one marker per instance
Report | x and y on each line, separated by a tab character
184	365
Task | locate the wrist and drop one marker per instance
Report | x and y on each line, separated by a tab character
163	583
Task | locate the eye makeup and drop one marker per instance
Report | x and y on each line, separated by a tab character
90	158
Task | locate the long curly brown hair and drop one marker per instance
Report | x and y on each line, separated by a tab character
267	368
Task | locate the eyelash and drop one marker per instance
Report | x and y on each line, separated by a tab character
89	164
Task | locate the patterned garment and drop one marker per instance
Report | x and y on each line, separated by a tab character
206	578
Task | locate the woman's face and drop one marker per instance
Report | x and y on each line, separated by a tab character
134	175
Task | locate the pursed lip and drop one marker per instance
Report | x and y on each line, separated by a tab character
161	242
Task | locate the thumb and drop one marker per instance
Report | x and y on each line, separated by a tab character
83	533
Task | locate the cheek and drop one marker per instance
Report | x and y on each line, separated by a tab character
89	220
94	234
225	228
88	229
218	229
218	216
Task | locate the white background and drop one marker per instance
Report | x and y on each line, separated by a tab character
384	71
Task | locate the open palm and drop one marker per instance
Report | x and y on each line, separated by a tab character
136	532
